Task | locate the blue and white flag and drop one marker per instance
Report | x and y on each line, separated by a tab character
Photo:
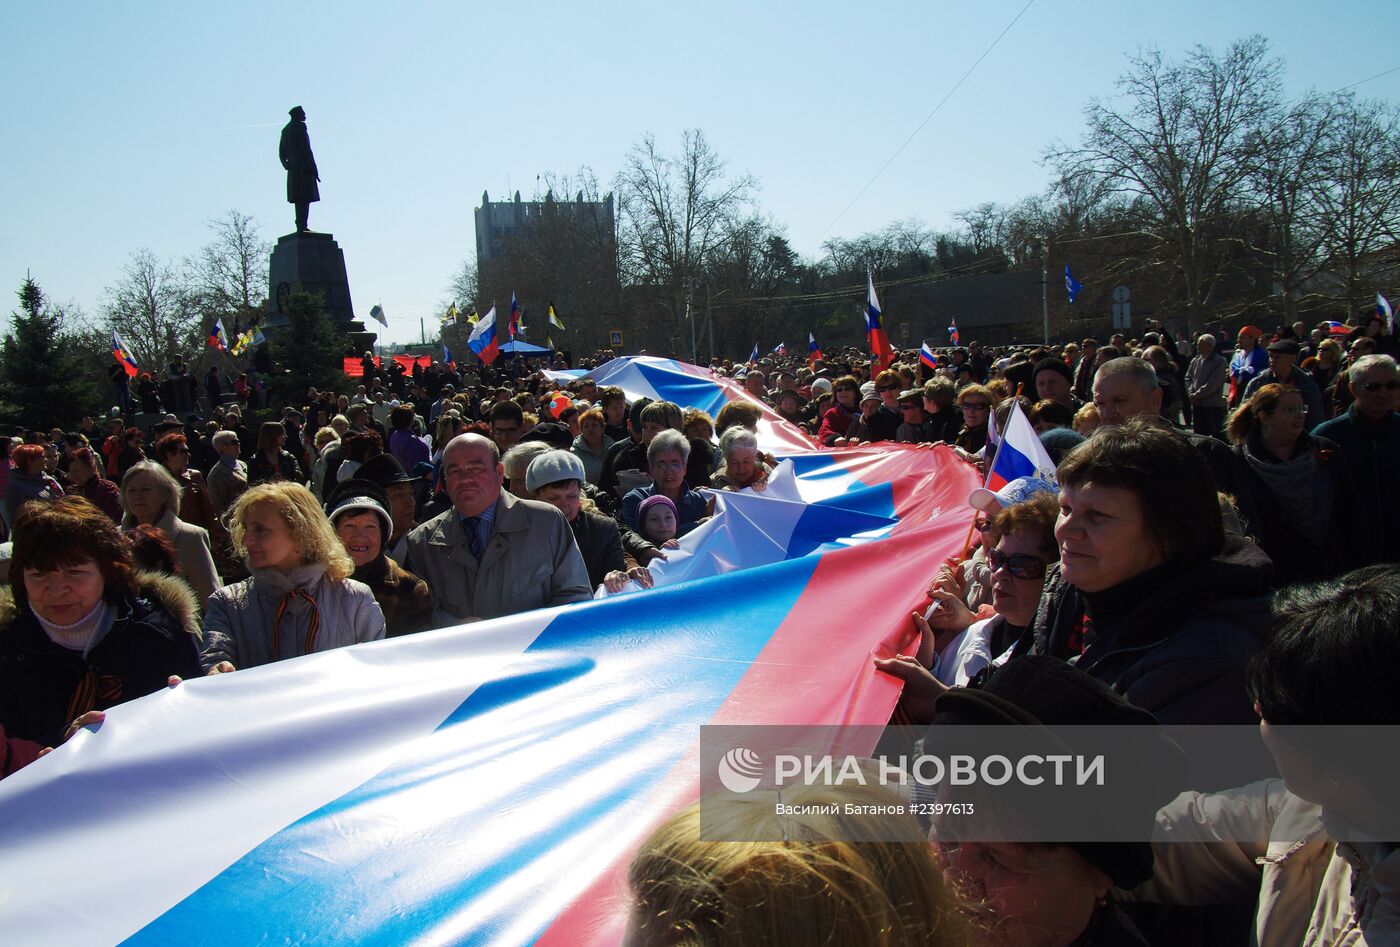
1072	285
376	312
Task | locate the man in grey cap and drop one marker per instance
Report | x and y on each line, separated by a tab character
492	554
1283	370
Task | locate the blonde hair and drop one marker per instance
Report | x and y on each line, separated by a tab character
164	479
993	399
312	532
325	436
814	887
1089	414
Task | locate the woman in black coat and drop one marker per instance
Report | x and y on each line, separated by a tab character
81	630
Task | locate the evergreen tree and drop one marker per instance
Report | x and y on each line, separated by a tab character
308	351
44	381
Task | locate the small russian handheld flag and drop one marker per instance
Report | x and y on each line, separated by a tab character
753	356
814	351
217	338
447	358
122	353
513	326
880	349
1385	312
780	348
1020	454
483	338
927	358
953	331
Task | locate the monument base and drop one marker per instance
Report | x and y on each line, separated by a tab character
315	261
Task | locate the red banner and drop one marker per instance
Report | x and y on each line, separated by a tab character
355	369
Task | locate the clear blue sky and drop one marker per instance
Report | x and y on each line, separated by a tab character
132	124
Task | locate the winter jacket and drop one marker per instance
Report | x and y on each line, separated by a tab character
24	487
1370	456
402	596
1311	890
1183	650
241	623
530	561
835	423
226	484
261	469
1205	381
43	685
1297	555
600	544
592	463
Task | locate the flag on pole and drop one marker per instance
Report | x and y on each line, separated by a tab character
1072	285
875	328
376	312
218	339
258	337
927	358
1338	330
780	348
814	351
513	325
447	358
1019	454
122	353
1385	312
953	331
753	356
554	319
473	318
483	338
449	318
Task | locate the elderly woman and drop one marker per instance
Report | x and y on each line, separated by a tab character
84	631
667	455
28	481
591	445
300	598
271	462
150	495
325	439
743	466
1289	486
359	511
556	477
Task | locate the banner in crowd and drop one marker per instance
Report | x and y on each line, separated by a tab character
486	783
354	367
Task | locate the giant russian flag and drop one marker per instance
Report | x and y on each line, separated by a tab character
483	340
488	783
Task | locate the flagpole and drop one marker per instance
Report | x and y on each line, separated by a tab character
1044	291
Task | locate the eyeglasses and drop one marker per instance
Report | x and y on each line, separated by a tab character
1374	386
974	406
886	387
1019	565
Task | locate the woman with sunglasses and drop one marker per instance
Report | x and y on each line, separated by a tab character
1288	486
976	403
196	507
836	421
1151	595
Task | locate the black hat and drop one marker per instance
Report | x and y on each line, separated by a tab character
362	496
1285	346
1052	364
384	470
555	435
1034	690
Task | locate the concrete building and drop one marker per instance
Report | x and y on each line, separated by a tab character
498	221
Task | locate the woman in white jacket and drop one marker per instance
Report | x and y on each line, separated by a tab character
1322	878
300	598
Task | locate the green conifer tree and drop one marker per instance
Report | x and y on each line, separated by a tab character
44	381
308	352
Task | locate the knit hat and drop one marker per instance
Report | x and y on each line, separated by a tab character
552	433
1253	332
821	385
867	392
1059	441
552	467
360	496
1052	365
655	499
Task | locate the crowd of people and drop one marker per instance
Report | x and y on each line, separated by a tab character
1217	547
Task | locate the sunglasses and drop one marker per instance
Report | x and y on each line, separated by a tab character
886	387
974	406
1019	565
1374	386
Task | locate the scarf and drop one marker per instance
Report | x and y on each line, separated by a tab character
1306	497
292	587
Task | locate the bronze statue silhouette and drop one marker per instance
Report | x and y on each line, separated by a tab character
295	153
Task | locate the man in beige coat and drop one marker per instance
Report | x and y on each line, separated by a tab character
492	554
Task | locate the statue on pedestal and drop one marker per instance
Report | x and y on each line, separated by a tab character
302	176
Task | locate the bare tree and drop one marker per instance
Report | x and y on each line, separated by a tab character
1180	148
228	276
152	307
673	211
1361	201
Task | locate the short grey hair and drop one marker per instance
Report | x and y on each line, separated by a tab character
737	437
165	482
667	442
1367	362
1141	370
1205	338
221	438
519	457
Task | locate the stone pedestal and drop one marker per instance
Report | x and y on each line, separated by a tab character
315	261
